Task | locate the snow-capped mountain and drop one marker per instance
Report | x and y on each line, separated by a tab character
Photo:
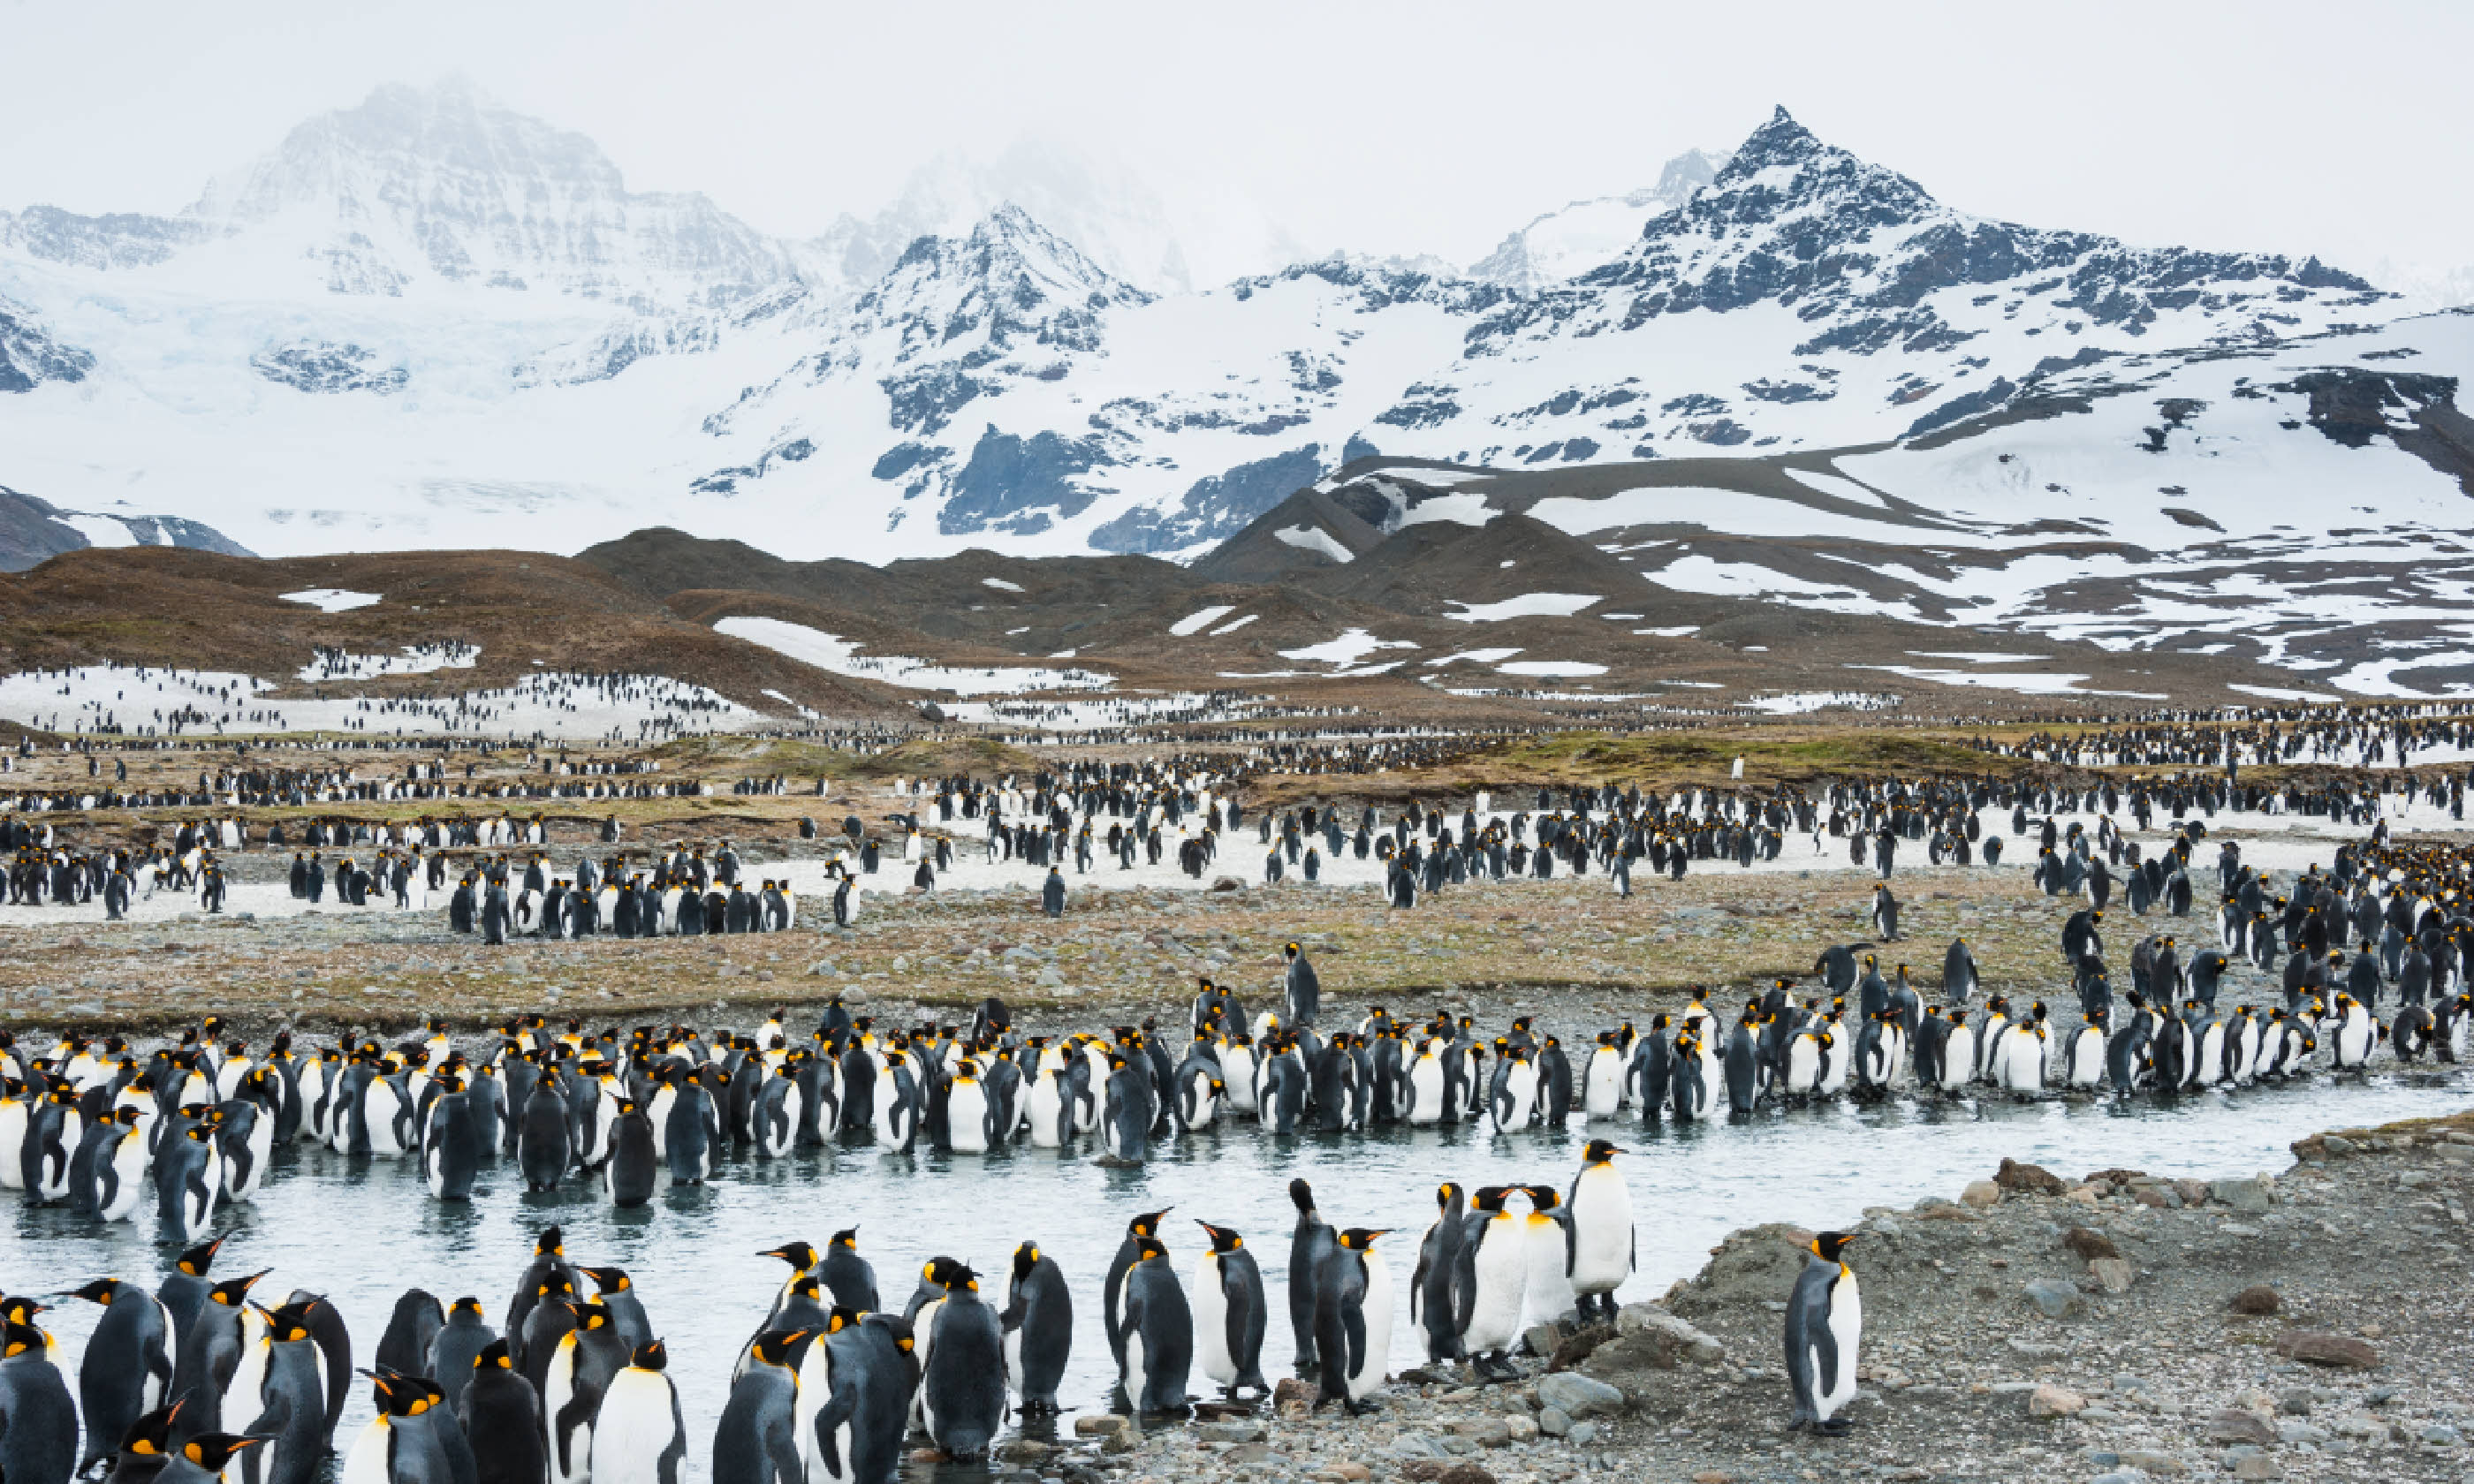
1168	243
330	351
1564	244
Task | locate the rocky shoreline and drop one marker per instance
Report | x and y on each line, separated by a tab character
2317	1324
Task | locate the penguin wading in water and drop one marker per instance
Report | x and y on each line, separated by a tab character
502	1416
1431	1284
1159	1334
1229	1313
127	1369
1353	1321
1825	1321
961	1364
638	1437
1038	1321
758	1440
38	1422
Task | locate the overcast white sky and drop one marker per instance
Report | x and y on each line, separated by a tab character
1385	128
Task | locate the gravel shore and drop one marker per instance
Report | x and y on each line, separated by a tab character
2116	1328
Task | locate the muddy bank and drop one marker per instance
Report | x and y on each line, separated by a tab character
2315	1324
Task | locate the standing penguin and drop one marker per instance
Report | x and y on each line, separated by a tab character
1432	1296
1353	1321
185	1287
757	1441
640	1439
1308	1242
1958	976
544	1144
1825	1321
1158	1334
1112	1291
1605	1247
573	1386
127	1369
635	1164
1038	1322
38	1422
1494	1278
1303	987
960	1345
288	1405
502	1416
1229	1313
456	1347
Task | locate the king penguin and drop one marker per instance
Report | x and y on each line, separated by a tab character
1038	1321
1494	1272
502	1416
639	1437
1824	1322
1229	1313
1432	1297
1604	1247
757	1441
1353	1321
960	1345
1158	1334
127	1369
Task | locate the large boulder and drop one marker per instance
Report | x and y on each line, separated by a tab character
1648	1338
1755	1266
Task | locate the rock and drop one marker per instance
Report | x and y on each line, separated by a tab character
1465	1473
1230	1432
2056	1298
1577	1395
2295	1403
2249	1196
1105	1424
1522	1428
2439	1435
2163	1465
2292	1431
2337	1145
2258	1466
2256	1299
2036	1350
2087	1244
2026	1179
1578	1347
1585	1433
2050	1401
1713	1477
1554	1422
1023	1451
1125	1442
2321	1348
1288	1388
2120	1476
1544	1340
2233	1424
1981	1193
2114	1273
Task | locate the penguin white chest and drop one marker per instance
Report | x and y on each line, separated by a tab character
966	1117
1602	1232
1847	1332
1211	1322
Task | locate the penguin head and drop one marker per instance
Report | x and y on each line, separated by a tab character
1828	1245
1600	1151
847	1237
197	1259
291	1322
1489	1199
212	1452
232	1293
1147	1248
1362	1238
100	1291
594	1315
465	1306
799	1254
1223	1241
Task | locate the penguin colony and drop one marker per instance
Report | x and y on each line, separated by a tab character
829	1388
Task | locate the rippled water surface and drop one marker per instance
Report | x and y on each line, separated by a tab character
362	1231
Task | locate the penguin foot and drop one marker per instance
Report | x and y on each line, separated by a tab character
1835	1427
1362	1407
